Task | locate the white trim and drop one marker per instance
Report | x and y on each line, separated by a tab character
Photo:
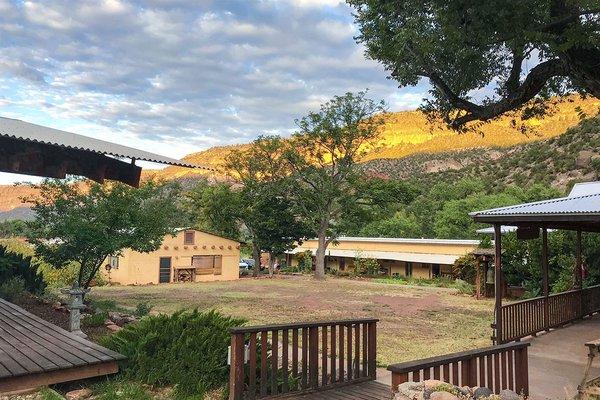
405	240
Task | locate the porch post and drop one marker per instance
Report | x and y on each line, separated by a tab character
545	285
498	338
578	273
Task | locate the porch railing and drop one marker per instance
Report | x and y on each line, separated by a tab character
528	317
280	360
497	368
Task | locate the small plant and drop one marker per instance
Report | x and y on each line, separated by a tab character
95	320
117	390
142	309
464	287
365	266
12	289
445	387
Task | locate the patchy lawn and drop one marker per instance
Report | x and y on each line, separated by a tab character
415	322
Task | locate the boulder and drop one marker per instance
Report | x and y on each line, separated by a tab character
583	158
410	390
113	327
117	318
482	392
442	396
78	394
433	383
509	395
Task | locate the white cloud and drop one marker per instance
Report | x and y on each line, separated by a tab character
179	76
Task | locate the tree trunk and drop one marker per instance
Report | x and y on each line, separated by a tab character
270	264
320	255
256	256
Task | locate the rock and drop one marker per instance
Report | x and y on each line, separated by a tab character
442	396
433	383
117	318
482	392
113	327
465	391
108	322
130	318
583	158
411	390
57	305
78	394
509	395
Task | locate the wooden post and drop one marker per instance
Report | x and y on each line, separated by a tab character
578	275
313	357
545	284
236	370
498	339
521	372
398	379
373	350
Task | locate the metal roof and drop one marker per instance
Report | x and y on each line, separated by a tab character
571	212
585	188
405	240
17	129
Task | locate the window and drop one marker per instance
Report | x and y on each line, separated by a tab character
188	237
208	265
113	261
408	269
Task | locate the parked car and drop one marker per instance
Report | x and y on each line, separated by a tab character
247	263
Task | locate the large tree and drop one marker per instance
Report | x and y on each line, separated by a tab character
258	207
86	222
523	51
322	158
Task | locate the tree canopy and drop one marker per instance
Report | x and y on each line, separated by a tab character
87	222
510	54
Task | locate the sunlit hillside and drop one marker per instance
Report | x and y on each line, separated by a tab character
404	133
408	132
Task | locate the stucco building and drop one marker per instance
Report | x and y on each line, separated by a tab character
189	256
419	258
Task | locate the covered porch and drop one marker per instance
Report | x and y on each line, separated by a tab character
579	212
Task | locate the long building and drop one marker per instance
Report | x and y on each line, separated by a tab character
419	258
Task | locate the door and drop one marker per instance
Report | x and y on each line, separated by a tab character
435	270
164	271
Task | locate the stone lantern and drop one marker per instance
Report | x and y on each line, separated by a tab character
75	306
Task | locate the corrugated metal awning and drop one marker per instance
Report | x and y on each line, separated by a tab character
17	129
425	258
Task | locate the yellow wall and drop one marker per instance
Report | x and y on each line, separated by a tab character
420	246
137	268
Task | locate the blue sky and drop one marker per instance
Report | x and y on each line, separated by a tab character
177	76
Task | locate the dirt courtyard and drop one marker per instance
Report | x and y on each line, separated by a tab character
415	322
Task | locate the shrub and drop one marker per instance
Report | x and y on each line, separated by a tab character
142	309
12	288
464	287
13	264
365	266
187	350
95	320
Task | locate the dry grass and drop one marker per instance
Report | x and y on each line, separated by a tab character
415	322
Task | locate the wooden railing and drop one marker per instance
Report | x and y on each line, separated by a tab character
279	360
497	368
528	317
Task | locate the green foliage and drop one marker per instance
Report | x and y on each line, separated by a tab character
187	349
142	309
85	223
401	224
464	287
12	288
463	46
12	228
95	320
305	263
120	390
465	268
365	265
16	265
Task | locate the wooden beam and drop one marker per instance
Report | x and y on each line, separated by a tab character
545	283
33	381
498	284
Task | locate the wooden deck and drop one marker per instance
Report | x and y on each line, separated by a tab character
34	352
370	390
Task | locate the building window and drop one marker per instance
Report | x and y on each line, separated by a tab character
113	261
208	265
408	269
188	237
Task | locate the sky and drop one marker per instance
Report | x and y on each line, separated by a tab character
178	76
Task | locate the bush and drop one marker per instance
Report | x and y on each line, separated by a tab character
142	309
12	289
187	350
464	287
366	266
95	320
13	264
